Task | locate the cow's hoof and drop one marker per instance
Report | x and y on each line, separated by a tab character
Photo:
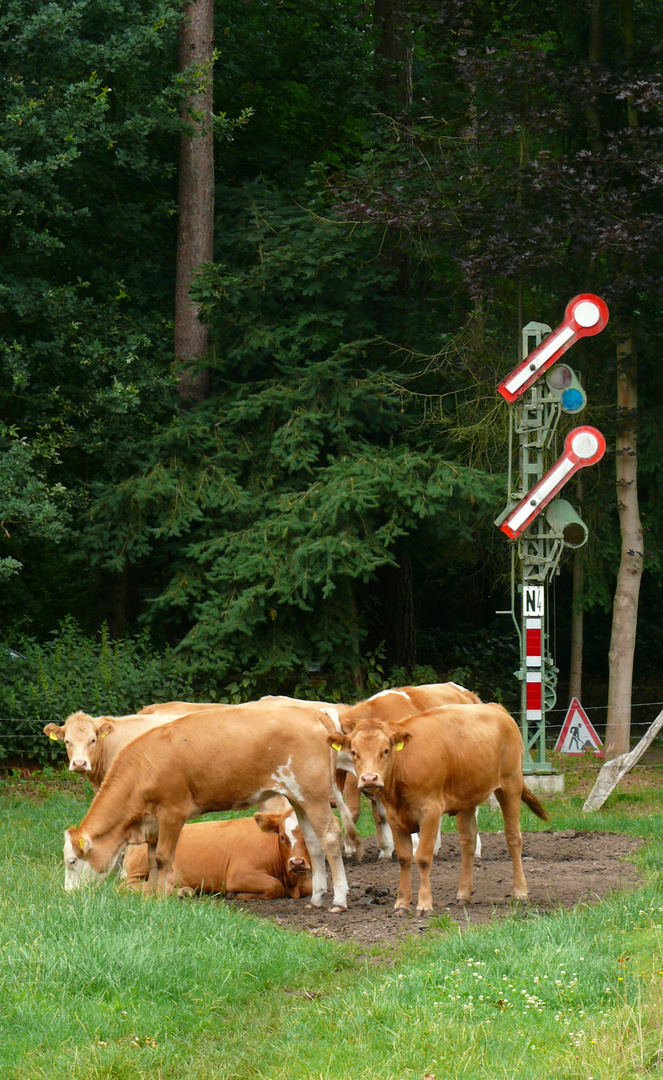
423	912
337	909
401	911
462	900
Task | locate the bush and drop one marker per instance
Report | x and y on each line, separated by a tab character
46	682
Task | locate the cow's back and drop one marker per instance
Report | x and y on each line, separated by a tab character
226	758
407	701
460	749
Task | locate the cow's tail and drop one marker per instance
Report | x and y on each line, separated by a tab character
535	806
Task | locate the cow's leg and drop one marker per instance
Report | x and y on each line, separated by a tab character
383	832
415	842
170	827
351	794
321	829
466	823
256	885
316	854
404	852
429	830
477	846
352	842
509	801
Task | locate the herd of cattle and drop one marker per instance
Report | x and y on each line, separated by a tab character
416	752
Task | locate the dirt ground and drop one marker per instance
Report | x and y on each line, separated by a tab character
562	869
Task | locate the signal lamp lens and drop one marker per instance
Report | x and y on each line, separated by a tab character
572	400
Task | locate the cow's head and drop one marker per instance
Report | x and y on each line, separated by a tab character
292	845
85	863
81	735
372	747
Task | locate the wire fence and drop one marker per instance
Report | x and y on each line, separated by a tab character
554	718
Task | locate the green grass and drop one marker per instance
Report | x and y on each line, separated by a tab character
102	984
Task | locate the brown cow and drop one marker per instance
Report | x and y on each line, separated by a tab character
263	856
394	704
225	759
352	841
443	761
92	742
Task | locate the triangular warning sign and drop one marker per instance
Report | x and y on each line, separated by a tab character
577	734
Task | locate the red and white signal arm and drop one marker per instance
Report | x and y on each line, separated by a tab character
585	315
582	446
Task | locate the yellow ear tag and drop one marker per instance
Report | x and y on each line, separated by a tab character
399	746
53	737
337	746
103	735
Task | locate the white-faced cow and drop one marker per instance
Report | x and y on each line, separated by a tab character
443	761
396	704
263	856
92	742
225	759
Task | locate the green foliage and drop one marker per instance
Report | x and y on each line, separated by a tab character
40	683
294	483
30	509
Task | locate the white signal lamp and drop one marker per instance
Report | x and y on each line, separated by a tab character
566	386
566	523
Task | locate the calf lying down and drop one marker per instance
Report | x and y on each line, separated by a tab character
259	857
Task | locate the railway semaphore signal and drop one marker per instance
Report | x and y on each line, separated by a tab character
585	315
539	523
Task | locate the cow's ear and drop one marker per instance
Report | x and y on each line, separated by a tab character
105	729
79	841
338	740
268	822
399	739
54	732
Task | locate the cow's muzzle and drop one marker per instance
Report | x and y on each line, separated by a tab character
79	765
299	866
370	782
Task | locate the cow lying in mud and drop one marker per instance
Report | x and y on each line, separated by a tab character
263	856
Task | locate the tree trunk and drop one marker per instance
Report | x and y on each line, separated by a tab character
625	604
394	56
397	614
195	223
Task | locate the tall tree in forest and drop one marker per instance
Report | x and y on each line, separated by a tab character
629	575
195	221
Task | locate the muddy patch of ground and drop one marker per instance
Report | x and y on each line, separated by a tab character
562	870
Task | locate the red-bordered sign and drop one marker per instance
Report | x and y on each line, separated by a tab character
585	315
578	734
582	446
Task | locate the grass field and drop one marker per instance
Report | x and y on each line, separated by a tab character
102	984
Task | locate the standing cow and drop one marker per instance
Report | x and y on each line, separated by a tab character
263	856
225	759
443	761
395	704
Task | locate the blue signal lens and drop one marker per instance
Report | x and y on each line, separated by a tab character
573	400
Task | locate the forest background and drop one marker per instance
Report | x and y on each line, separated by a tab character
398	189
